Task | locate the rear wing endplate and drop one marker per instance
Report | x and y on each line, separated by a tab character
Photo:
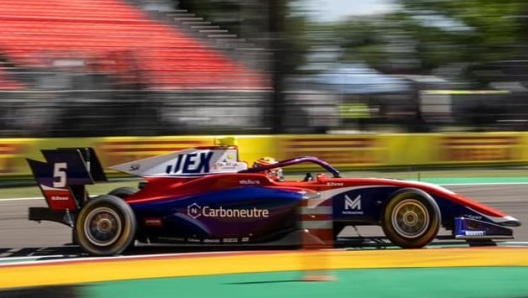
64	174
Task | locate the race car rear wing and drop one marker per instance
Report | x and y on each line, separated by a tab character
64	174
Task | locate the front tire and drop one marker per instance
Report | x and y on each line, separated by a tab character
106	226
411	218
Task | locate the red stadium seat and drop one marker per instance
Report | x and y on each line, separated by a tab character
169	58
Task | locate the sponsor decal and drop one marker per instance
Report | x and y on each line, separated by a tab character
249	182
480	148
474	233
196	211
179	239
353	206
191	163
334	184
60	198
153	222
135	167
226	165
478	217
211	241
230	240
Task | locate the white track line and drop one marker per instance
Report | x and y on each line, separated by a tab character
13	261
21	199
8	261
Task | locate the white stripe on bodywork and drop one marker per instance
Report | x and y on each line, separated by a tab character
496	219
420	183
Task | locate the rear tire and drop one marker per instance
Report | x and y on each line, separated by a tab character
106	226
411	218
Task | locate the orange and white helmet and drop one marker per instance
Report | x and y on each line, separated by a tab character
275	173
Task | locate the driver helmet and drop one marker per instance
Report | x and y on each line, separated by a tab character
275	173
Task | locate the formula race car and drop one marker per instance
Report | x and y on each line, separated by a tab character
207	196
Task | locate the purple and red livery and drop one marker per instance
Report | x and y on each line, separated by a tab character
207	196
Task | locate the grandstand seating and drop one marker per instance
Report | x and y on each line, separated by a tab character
103	30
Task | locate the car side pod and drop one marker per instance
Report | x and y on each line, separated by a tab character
468	228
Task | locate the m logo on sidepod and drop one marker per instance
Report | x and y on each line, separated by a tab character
353	206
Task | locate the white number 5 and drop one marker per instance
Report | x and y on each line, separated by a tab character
59	174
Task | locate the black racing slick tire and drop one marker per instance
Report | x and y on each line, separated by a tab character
411	218
105	226
123	192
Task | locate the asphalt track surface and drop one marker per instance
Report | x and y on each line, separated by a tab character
20	237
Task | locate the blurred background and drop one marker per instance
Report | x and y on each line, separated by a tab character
166	67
